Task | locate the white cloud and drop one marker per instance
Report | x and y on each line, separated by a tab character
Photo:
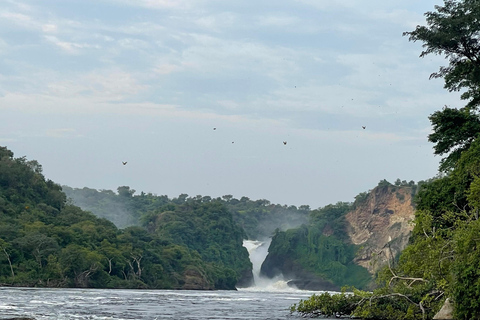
132	43
101	85
70	47
49	28
221	56
19	5
18	18
157	4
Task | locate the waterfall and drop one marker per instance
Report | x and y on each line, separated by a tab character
258	250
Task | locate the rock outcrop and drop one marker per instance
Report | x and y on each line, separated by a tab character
381	225
245	279
296	275
195	280
446	312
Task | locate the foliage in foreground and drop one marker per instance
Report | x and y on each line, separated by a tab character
443	256
441	260
394	301
328	305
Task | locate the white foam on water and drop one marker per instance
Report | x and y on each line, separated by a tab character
258	251
7	308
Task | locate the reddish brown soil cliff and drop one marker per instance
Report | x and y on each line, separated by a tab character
381	225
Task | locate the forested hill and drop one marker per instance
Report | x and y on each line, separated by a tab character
259	218
46	241
343	243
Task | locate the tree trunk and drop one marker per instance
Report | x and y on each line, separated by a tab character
9	262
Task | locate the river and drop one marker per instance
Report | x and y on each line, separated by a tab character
148	304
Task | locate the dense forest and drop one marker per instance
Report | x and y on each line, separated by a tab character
442	260
46	241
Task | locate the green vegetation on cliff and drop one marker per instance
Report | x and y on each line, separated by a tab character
44	241
207	228
321	248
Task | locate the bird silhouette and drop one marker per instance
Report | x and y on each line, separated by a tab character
124	162
214	128
284	142
363	127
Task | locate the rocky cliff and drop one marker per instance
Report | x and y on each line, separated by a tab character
381	225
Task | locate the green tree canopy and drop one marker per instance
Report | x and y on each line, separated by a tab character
453	30
453	132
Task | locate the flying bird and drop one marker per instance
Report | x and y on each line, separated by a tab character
214	128
363	127
284	142
124	162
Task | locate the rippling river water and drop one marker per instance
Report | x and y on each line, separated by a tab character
148	304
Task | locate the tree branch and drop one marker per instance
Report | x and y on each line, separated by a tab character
9	262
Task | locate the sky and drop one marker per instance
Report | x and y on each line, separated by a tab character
200	96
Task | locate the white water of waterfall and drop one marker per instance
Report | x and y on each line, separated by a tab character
258	251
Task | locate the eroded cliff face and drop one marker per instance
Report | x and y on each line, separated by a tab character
381	225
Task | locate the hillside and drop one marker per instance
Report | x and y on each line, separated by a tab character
346	243
46	241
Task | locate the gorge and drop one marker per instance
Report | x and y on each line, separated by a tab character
191	242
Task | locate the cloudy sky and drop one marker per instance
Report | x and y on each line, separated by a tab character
198	96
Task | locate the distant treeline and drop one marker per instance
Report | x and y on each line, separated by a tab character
259	218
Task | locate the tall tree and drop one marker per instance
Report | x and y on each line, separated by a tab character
453	30
453	132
